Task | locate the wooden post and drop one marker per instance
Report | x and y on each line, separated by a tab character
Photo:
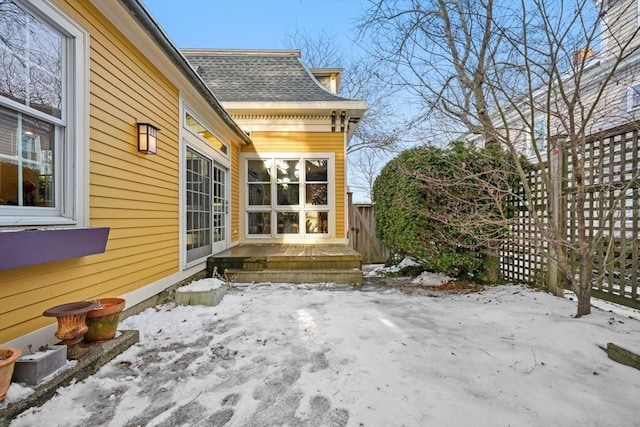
351	237
557	212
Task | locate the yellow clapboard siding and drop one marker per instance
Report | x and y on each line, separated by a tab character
34	319
309	142
159	167
129	70
129	85
126	233
71	291
138	216
145	178
63	273
104	37
147	240
112	131
235	193
128	111
67	270
108	190
124	224
135	195
127	203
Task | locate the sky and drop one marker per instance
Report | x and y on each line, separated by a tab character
254	24
376	355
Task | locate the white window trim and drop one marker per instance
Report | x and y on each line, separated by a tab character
195	142
630	92
209	128
73	197
302	236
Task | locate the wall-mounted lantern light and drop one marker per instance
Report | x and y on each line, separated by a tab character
147	138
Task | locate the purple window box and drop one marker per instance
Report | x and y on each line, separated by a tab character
19	248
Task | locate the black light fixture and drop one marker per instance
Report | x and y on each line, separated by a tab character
147	138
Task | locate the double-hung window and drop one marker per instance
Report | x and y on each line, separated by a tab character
43	115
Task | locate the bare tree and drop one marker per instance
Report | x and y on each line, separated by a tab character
364	167
381	130
513	73
381	127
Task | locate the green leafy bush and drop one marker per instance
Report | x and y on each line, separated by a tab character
445	206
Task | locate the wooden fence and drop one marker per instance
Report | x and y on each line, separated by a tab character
612	210
362	233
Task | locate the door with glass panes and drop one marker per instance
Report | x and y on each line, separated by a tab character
207	206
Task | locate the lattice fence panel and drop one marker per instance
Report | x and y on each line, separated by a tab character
521	258
612	212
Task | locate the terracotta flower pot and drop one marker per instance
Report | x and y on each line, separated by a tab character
8	357
72	325
103	322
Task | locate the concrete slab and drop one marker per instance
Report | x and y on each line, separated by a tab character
209	297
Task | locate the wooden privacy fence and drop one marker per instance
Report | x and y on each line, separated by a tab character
611	185
362	233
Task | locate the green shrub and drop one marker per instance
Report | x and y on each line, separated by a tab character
439	205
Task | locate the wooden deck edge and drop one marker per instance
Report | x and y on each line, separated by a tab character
351	276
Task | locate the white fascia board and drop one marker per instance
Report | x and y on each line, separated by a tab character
301	107
119	16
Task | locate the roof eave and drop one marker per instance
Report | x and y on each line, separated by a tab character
286	106
149	24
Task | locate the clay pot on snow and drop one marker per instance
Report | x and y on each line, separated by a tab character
103	322
8	357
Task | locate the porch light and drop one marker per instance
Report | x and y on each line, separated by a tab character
147	138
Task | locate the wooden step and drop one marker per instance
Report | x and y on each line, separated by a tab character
343	262
341	276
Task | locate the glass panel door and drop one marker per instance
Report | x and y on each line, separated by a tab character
207	206
198	233
220	207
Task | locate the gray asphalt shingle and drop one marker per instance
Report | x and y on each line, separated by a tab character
248	77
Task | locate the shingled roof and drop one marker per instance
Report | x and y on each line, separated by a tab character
258	76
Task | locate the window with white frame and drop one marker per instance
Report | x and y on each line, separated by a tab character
42	57
288	196
540	134
194	125
633	97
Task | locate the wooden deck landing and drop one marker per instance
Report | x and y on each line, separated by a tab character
288	250
295	263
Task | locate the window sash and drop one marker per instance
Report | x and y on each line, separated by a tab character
68	147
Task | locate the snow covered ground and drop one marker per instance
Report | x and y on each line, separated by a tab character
330	355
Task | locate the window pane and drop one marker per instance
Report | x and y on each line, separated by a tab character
316	170
193	124
288	170
30	60
259	170
27	167
259	194
259	222
316	194
288	222
198	232
288	194
317	222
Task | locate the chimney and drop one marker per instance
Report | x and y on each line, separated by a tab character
583	55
